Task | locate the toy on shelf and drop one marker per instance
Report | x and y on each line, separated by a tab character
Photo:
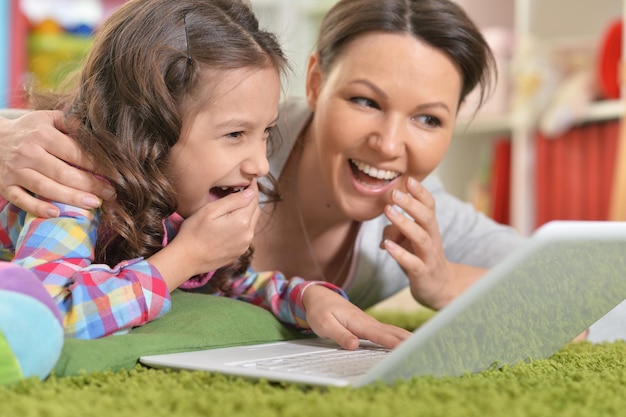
59	36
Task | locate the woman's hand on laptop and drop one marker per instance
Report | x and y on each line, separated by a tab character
332	316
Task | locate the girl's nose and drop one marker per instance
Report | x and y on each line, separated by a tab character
257	164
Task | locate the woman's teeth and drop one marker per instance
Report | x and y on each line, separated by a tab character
381	174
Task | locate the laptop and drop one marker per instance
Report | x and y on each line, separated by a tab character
567	276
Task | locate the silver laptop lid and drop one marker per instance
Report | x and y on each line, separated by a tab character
528	307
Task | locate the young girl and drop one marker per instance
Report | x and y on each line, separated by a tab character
175	104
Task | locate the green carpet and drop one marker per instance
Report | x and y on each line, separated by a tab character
581	380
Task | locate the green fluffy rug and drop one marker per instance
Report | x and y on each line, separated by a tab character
581	380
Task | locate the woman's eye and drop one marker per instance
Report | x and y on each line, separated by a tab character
365	102
429	121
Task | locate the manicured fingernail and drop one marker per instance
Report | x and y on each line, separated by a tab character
92	202
247	193
390	245
53	212
392	211
412	183
398	196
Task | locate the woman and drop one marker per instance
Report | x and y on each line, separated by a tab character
383	91
377	122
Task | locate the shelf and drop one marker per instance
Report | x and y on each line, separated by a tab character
605	110
496	124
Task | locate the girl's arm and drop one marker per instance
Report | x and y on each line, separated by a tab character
95	300
274	292
315	306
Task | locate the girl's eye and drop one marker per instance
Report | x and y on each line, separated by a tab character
365	102
429	121
234	135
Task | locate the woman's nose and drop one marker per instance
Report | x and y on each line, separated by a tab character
389	139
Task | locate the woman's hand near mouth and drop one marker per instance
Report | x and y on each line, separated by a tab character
414	240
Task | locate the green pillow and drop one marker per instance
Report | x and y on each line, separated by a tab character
195	322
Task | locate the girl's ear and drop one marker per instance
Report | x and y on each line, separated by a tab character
313	80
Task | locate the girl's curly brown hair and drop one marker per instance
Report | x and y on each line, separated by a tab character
125	107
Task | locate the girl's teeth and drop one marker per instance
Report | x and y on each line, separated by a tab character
235	189
380	174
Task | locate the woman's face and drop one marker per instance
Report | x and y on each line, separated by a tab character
223	145
385	111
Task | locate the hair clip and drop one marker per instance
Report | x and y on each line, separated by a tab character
187	38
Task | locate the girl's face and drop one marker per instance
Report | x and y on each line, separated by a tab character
223	147
385	111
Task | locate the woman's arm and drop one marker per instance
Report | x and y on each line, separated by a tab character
36	158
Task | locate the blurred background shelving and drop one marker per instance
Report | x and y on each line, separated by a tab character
42	41
550	47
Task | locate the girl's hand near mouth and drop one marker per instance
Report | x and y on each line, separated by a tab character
235	215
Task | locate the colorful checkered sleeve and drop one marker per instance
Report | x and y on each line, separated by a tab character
95	300
274	292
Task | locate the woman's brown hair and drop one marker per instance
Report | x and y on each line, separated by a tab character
126	110
442	24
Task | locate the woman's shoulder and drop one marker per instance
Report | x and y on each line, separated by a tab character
293	116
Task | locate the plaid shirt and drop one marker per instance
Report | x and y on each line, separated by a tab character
96	300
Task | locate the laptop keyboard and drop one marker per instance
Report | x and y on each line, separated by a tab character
336	363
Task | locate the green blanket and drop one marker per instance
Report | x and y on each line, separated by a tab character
195	322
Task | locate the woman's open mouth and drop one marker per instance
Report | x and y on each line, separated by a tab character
370	176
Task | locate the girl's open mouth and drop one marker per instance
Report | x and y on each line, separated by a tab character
220	192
